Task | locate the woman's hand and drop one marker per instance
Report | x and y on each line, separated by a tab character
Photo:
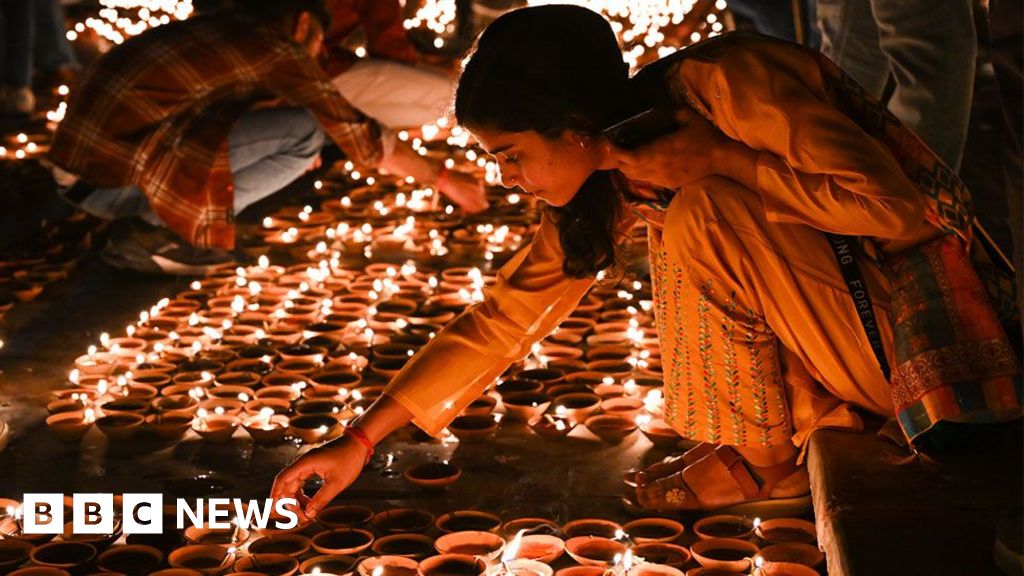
464	190
694	151
338	463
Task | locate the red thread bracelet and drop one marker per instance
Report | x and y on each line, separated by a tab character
363	439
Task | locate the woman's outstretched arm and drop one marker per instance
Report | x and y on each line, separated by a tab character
530	298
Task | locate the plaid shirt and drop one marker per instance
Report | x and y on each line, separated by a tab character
156	113
381	21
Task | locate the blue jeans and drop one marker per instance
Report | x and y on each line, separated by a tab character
930	49
268	149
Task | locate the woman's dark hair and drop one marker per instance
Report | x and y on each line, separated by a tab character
551	69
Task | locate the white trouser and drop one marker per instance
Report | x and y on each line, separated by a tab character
395	94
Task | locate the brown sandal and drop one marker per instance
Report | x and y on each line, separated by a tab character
669	465
724	482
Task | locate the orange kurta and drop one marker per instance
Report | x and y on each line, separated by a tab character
760	341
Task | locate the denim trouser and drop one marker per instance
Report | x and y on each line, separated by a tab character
928	45
267	148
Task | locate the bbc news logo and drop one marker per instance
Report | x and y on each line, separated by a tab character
144	513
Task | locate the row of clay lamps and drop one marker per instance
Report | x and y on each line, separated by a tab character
348	539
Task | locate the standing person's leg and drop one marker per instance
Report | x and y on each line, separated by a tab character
269	149
932	47
850	38
52	50
19	33
396	95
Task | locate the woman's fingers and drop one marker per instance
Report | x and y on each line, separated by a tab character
323	497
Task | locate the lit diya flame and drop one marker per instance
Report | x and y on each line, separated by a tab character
511	550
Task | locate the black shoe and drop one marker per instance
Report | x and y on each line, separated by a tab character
135	245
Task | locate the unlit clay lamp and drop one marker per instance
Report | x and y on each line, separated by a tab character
452	565
432	474
471	543
725	553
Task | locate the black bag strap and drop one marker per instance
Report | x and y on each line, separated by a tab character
844	248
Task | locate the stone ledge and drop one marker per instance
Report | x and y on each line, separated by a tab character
877	516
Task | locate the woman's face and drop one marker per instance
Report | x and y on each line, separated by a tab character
550	169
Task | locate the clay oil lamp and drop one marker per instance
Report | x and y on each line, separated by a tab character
525	406
70	556
302	352
658	431
472	428
336	379
150	378
403	520
594	550
230	392
785	530
120	426
544	548
567	366
71	426
553	423
175	403
125	406
610	428
653	530
207	559
345	516
784	569
266	428
582	571
328	565
529	525
520	567
96	363
276	406
415	546
463	520
623	406
215	429
315	428
518	385
238	378
175	572
651	569
792	553
98	541
13	553
545	376
330	406
725	553
432	474
452	565
591	527
485	545
12	528
557	392
342	541
578	405
388	566
482	406
268	564
40	571
577	325
663	553
232	537
724	526
222	406
614	368
131	560
388	368
609	390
